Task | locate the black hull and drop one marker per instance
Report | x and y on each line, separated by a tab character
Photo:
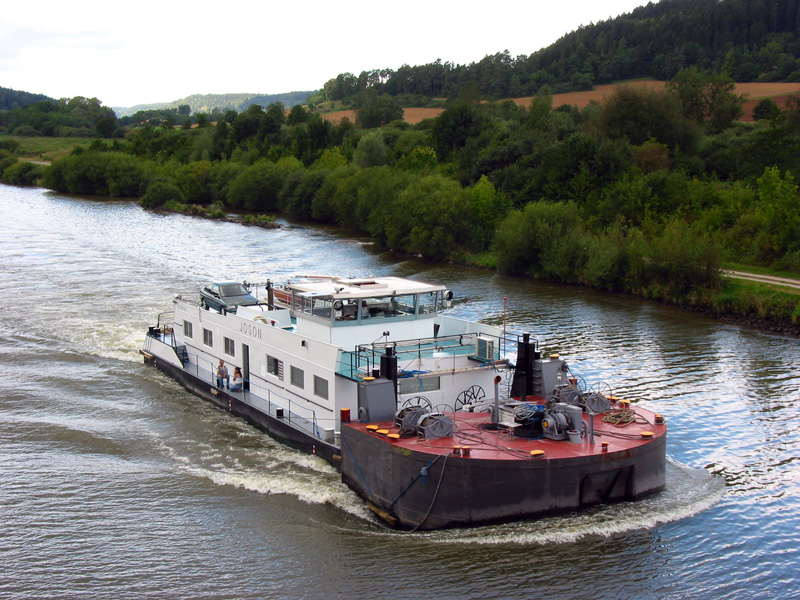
278	428
460	491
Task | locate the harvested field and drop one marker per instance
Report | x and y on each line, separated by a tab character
598	94
410	115
756	92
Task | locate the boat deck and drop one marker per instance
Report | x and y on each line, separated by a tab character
502	444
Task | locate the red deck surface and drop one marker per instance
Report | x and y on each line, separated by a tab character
503	445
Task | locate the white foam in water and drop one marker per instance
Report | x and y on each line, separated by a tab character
305	487
279	470
688	492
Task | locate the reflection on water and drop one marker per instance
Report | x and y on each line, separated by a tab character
117	483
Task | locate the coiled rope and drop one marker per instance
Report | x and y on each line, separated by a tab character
621	417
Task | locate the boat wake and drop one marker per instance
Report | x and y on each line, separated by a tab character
689	492
258	464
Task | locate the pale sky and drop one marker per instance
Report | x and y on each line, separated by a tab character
143	52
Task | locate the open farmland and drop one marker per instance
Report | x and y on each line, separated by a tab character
756	92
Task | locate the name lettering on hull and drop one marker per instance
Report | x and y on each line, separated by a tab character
251	330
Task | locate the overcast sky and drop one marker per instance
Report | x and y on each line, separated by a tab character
146	51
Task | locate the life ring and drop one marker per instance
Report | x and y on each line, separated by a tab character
338	304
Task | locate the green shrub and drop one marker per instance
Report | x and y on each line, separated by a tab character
176	206
541	239
606	263
259	219
159	192
678	263
99	173
22	173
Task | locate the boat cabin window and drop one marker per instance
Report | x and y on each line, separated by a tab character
297	377
343	310
378	307
208	337
275	367
390	306
187	329
430	303
229	347
416	385
320	387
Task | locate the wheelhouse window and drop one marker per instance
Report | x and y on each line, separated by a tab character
297	376
208	337
430	302
275	367
187	329
389	306
320	387
230	347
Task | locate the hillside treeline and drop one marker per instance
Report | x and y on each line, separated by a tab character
645	194
212	104
77	117
748	40
11	99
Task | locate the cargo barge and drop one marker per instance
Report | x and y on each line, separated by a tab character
434	421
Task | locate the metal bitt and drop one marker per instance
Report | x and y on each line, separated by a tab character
496	411
526	338
270	296
389	364
522	384
389	367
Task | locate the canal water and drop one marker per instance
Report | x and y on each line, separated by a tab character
117	483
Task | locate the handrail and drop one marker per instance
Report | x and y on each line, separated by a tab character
291	410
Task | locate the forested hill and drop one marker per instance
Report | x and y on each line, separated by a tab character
11	99
748	40
218	103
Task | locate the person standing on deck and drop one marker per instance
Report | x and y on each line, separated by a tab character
222	374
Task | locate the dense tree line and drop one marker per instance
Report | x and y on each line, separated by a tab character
77	117
747	40
11	99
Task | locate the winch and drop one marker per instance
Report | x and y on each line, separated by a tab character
552	422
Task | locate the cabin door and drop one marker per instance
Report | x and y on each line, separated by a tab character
246	366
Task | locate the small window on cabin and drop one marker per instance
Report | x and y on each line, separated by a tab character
230	347
187	329
320	387
275	367
415	385
208	337
297	377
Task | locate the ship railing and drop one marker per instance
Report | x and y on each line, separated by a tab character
267	401
366	358
163	329
163	332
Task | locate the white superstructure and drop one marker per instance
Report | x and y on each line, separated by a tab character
305	352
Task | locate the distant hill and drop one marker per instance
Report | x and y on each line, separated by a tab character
748	40
11	99
214	103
